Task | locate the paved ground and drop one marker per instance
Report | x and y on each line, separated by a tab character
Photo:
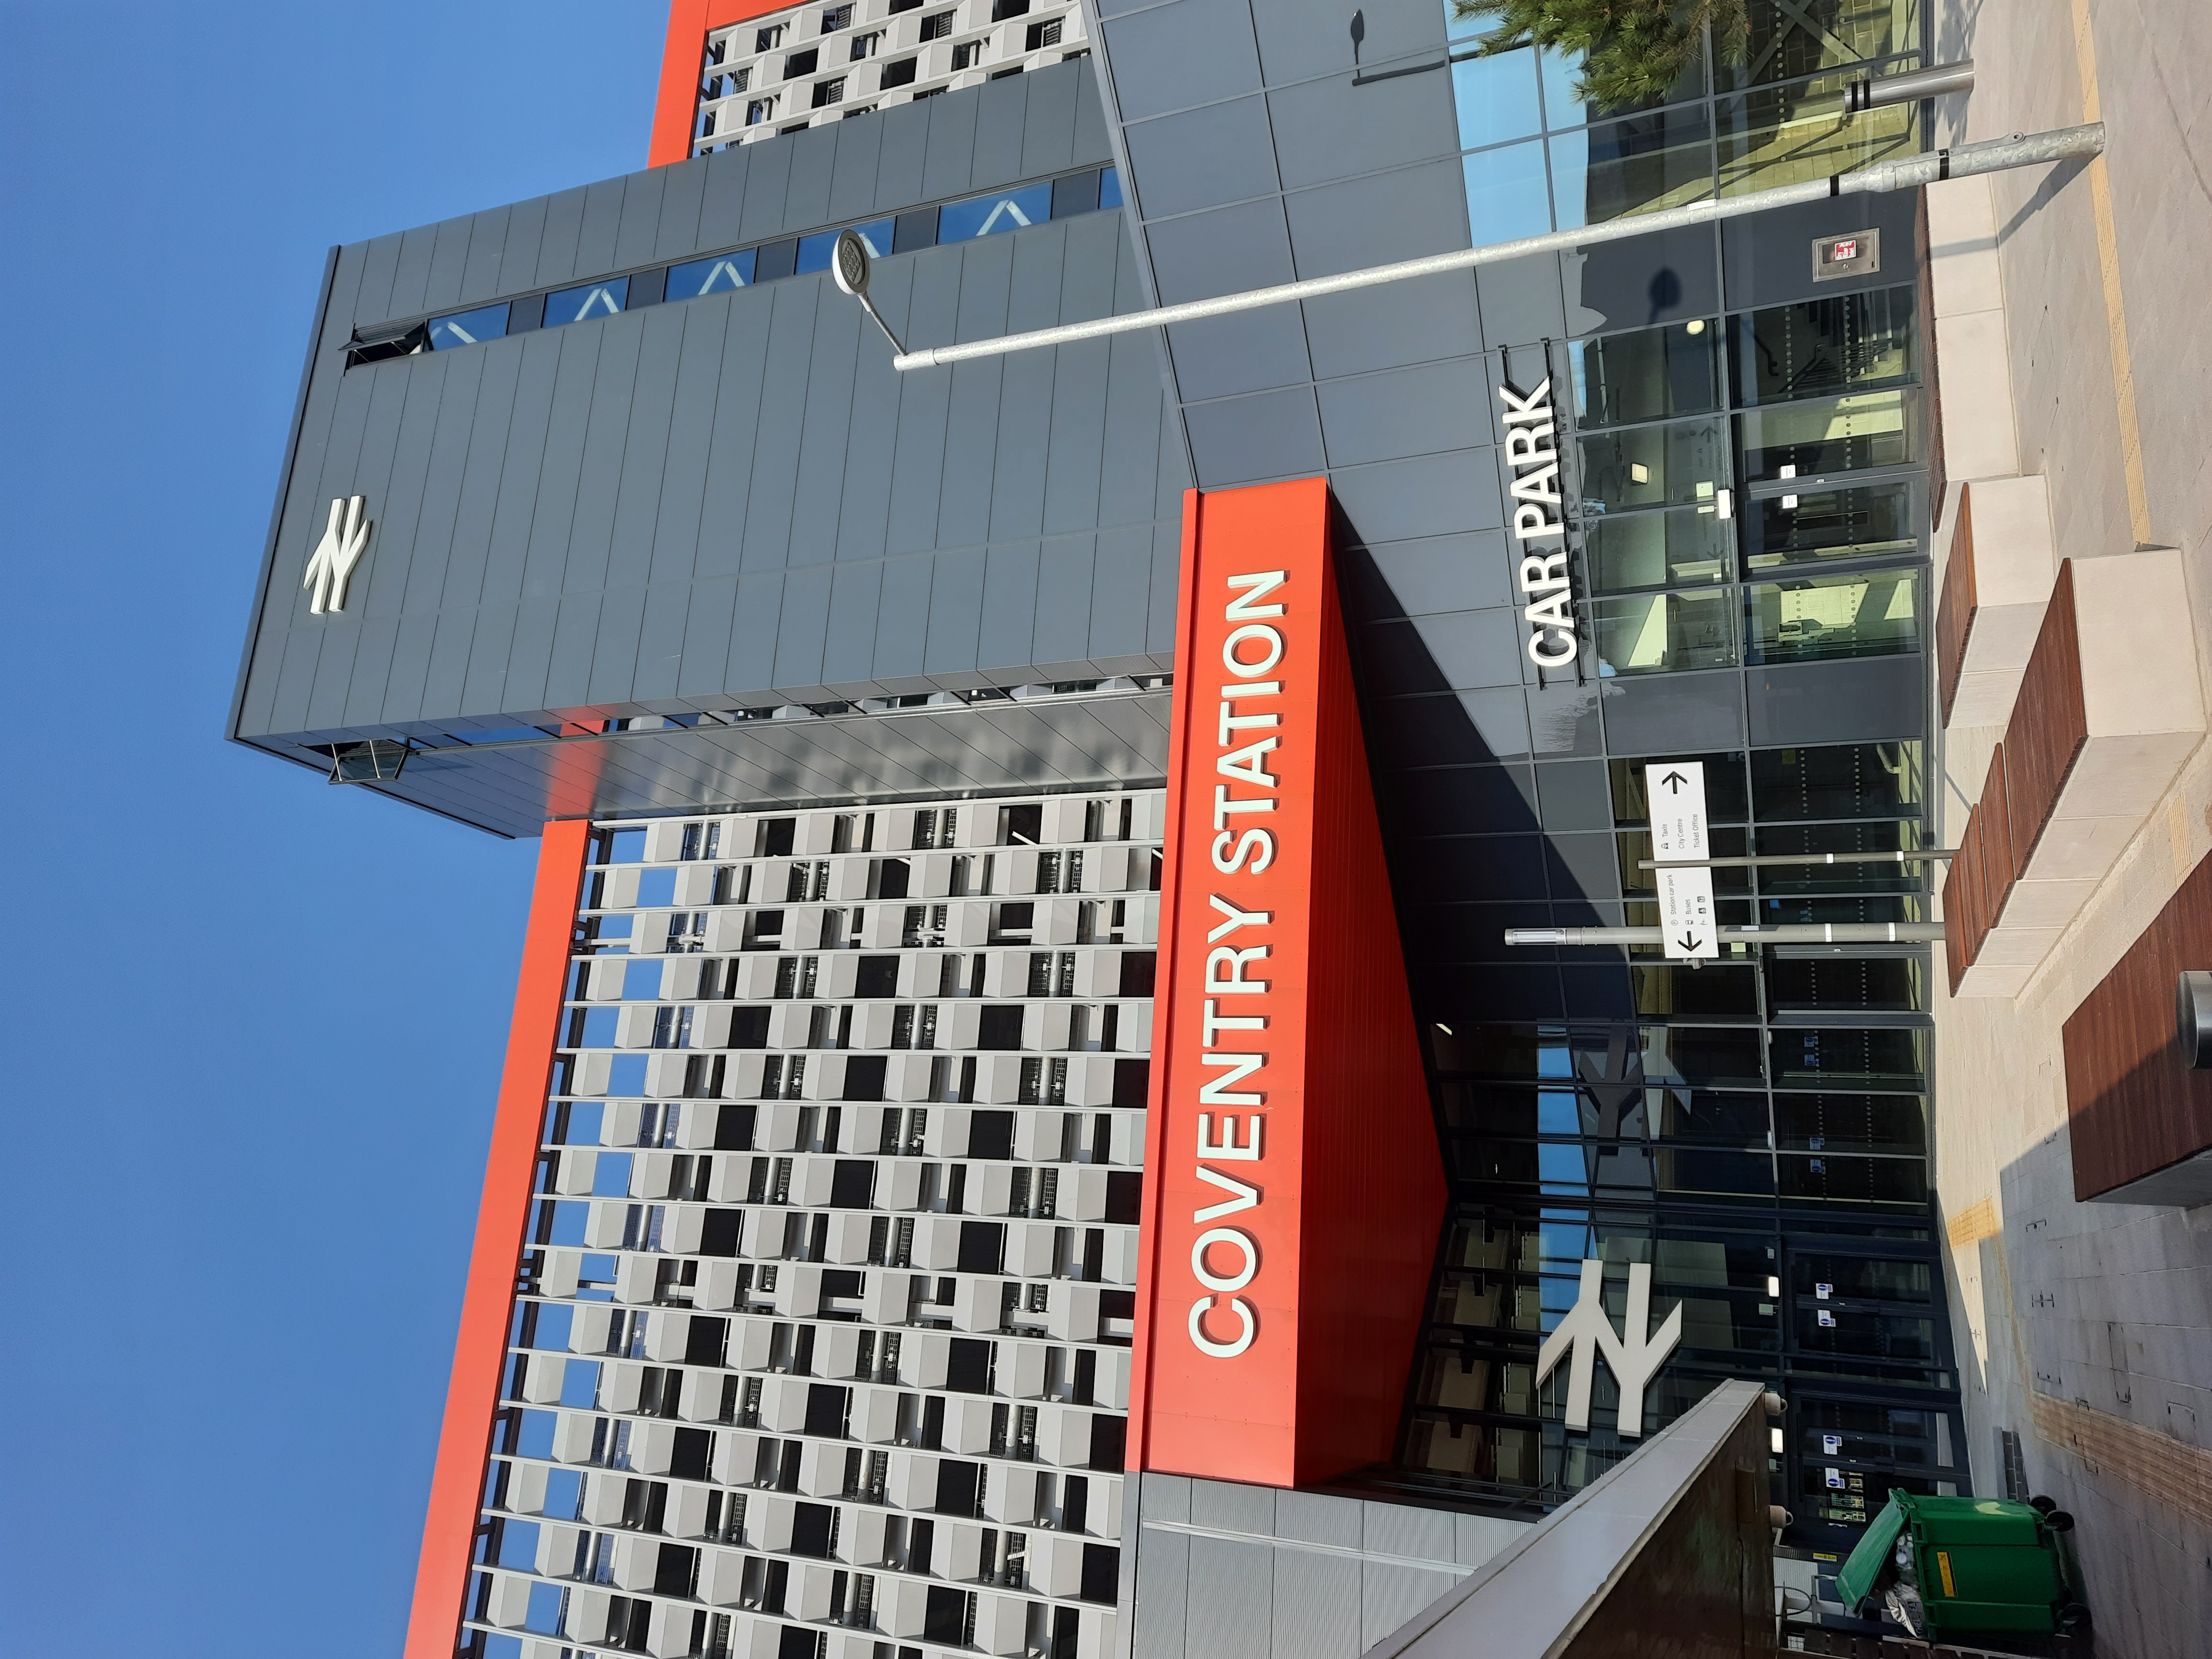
2087	1329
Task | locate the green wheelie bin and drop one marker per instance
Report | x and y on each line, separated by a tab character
1941	1566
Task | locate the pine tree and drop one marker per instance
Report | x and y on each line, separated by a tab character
1632	50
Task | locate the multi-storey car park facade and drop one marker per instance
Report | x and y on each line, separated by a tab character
791	67
878	1077
825	1310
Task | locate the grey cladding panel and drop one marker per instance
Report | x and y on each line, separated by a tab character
1179	56
1406	412
637	234
813	158
996	156
487	249
373	302
722	197
1330	128
595	236
557	248
768	181
1206	157
853	178
948	168
607	440
825	426
411	276
899	159
1404	215
682	198
1233	1618
1047	134
525	240
449	260
644	461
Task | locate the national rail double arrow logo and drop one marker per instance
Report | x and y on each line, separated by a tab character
331	566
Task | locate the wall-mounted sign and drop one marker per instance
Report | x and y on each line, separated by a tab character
1292	1192
1858	254
1676	793
1634	1355
1532	451
331	566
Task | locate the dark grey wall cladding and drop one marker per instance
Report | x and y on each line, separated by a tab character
734	500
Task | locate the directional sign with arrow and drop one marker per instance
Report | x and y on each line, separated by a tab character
1676	791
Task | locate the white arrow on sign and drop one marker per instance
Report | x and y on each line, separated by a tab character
1676	791
1686	911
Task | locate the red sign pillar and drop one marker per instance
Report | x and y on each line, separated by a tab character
1293	1192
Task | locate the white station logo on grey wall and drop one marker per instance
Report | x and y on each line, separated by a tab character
1676	792
1635	1354
330	567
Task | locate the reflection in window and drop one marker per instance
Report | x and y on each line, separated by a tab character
814	250
1637	166
1815	617
1897	984
1826	1056
1876	522
1648	375
1496	97
1821	348
1109	188
990	216
715	275
468	327
1837	780
1794	135
1788	39
1665	633
574	305
1653	466
1679	547
1874	429
1850	1123
1506	193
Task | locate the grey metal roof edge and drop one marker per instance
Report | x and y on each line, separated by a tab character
284	479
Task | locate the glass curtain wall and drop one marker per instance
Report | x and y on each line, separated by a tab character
1750	485
1536	158
1754	1128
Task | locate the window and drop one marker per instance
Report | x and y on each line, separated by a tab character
987	215
723	86
760	110
867	45
1041	35
837	18
1002	9
827	93
715	275
899	74
801	64
576	304
814	250
1001	75
937	26
966	53
1109	196
769	38
467	327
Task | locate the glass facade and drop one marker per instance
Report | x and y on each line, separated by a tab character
1747	506
1537	158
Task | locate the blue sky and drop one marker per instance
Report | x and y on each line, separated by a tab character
258	1020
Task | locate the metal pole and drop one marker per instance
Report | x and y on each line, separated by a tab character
1995	156
1880	91
1829	933
1763	859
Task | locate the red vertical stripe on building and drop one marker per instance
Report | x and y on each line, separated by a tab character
1293	1192
680	60
479	1351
